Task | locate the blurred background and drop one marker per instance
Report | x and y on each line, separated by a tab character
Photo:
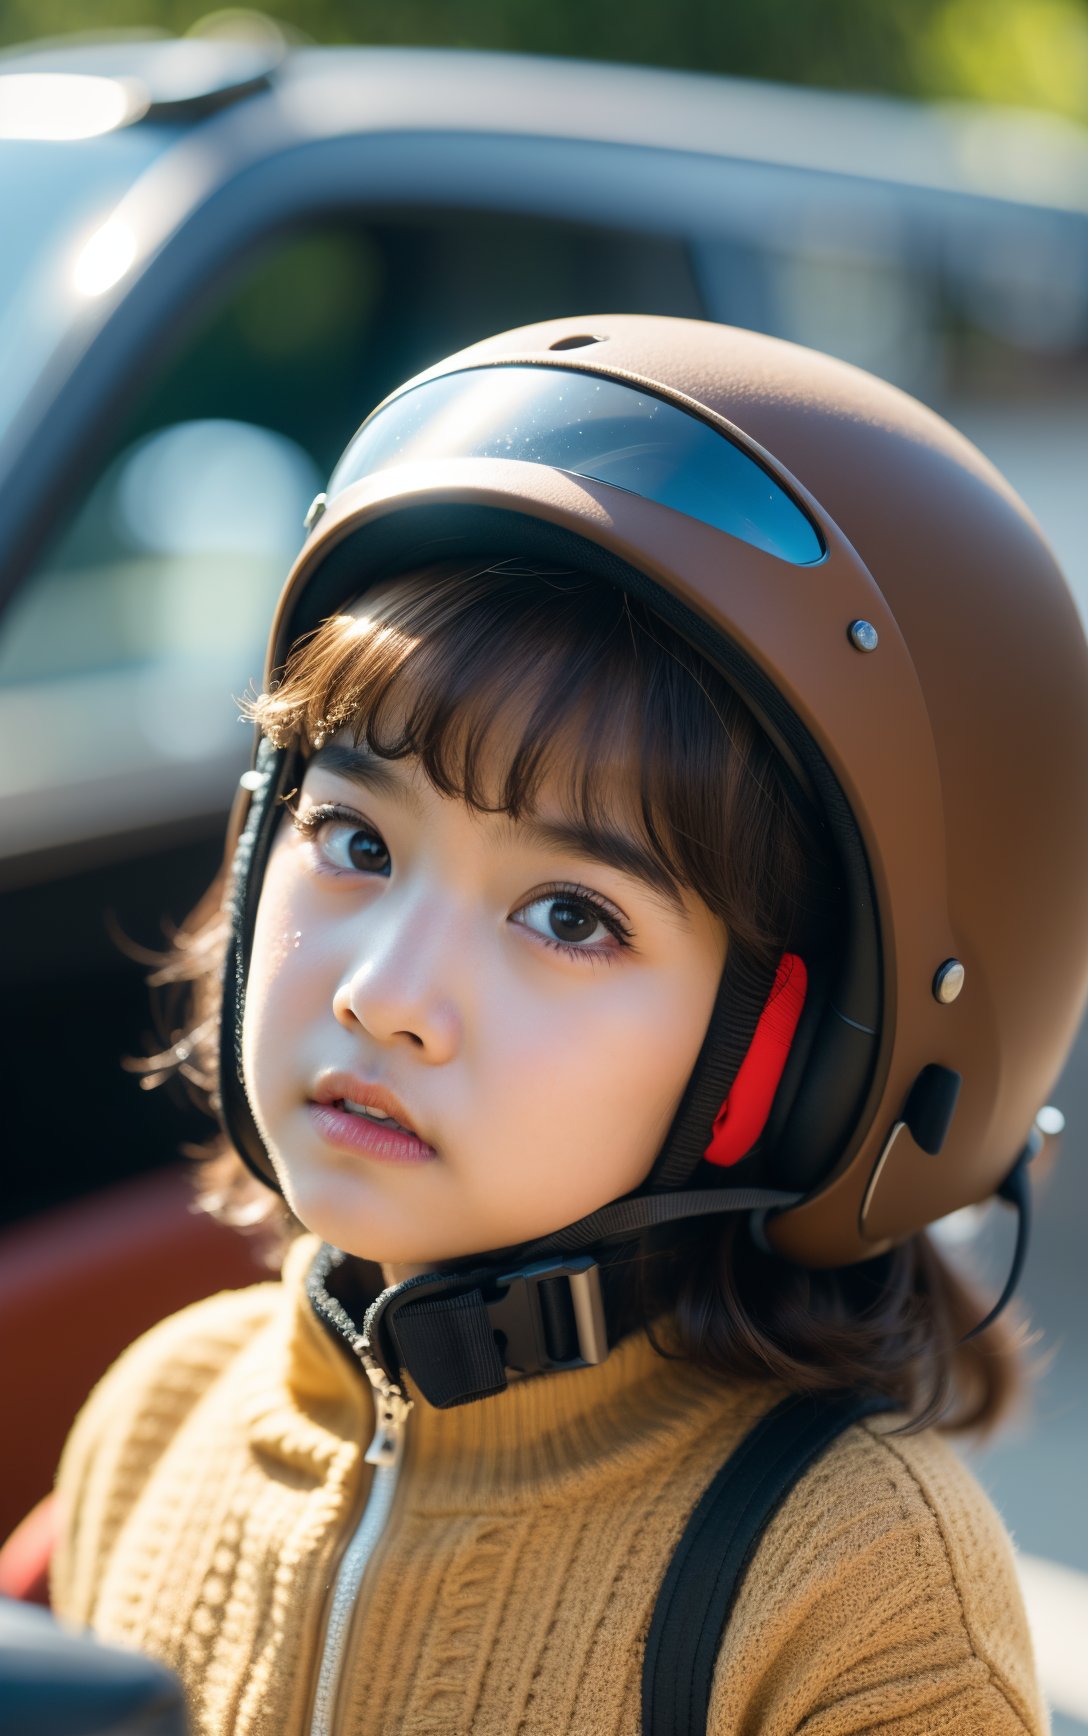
226	237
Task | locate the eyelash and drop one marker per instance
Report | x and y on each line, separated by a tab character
604	913
309	823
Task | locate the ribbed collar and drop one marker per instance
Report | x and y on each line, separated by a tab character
528	1443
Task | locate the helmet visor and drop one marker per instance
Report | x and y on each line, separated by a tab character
591	426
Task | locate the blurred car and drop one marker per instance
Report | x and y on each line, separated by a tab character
220	255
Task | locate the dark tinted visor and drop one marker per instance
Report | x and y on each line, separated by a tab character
594	427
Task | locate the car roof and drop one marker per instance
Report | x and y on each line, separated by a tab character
1010	154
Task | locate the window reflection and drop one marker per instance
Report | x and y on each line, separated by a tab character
127	651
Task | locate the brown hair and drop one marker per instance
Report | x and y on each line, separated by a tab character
573	680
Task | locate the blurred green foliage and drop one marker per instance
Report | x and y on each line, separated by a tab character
1032	52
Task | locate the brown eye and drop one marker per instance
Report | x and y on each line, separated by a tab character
576	923
342	844
365	851
571	921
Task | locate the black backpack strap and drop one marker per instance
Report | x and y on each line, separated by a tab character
708	1566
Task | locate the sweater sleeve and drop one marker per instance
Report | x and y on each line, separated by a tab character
126	1423
883	1597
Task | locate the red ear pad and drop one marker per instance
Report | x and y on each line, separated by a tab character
743	1116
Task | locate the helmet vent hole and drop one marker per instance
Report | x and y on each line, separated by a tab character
578	342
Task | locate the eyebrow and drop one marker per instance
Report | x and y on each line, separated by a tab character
604	844
360	766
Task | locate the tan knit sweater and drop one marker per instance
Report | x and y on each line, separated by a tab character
215	1476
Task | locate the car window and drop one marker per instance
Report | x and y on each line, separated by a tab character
119	664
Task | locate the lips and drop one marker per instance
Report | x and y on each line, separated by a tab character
348	1092
336	1111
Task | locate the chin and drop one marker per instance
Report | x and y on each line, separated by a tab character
334	1207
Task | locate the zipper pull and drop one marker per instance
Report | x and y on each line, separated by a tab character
391	1413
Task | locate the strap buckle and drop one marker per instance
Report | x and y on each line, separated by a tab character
534	1333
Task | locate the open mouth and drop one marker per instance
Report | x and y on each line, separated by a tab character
368	1114
350	1125
359	1104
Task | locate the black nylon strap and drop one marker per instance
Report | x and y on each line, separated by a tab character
441	1327
624	1218
706	1571
447	1344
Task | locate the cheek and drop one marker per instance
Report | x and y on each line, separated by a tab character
285	984
588	1093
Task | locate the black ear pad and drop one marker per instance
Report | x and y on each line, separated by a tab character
825	1096
829	1098
808	1027
822	1092
831	1061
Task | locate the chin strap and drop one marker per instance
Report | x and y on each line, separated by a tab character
549	1308
457	1332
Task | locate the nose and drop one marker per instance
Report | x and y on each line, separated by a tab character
397	985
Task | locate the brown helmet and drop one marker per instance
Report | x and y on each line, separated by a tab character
893	616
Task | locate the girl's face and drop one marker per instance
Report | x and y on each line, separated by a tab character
529	998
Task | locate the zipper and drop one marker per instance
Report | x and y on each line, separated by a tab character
384	1453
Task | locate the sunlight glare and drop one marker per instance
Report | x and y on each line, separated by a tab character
66	105
105	258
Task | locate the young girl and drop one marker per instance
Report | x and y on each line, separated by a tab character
636	932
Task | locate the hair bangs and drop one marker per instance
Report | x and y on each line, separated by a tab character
509	680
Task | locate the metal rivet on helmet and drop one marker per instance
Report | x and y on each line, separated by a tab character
1050	1121
864	635
948	981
